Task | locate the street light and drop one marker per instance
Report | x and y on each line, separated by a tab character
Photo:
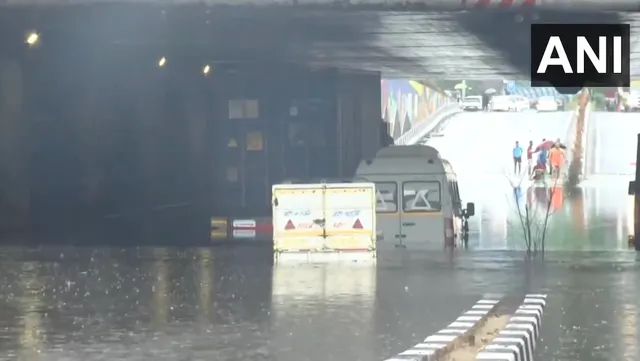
162	62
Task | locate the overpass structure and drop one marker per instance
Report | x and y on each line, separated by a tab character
117	109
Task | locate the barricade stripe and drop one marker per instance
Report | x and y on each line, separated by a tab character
436	344
517	341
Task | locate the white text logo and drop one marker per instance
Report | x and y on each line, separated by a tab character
599	61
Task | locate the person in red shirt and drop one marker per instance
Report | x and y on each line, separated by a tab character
530	156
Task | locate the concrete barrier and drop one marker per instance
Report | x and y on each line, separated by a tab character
414	135
518	340
436	346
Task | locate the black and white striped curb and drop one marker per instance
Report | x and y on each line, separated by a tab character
517	341
434	346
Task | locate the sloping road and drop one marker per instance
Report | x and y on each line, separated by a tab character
479	146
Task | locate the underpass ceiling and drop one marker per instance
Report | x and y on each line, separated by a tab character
450	45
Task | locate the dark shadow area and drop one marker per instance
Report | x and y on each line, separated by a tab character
108	140
509	32
122	147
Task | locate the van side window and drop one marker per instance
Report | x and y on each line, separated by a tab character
421	197
455	198
386	197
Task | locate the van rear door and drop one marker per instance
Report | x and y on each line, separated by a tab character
297	217
350	217
324	217
422	222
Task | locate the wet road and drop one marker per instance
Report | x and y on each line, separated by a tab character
610	165
479	146
612	141
217	304
231	304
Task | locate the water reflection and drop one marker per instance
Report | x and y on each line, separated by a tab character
223	304
304	295
30	303
205	280
160	289
598	216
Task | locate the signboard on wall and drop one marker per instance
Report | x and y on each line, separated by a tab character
254	141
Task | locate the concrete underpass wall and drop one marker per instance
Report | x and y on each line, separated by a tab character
112	137
14	148
405	103
312	125
108	136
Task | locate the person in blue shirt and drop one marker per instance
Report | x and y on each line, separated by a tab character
542	158
517	158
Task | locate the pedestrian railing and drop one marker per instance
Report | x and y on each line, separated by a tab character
420	130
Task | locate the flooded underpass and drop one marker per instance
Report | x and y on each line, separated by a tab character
597	216
230	304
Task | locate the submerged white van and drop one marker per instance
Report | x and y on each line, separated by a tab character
418	203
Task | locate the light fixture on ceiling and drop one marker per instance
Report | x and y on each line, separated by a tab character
32	38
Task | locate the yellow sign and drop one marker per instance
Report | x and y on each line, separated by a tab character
232	143
218	228
254	141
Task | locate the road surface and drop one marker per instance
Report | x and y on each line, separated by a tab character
231	304
610	165
479	146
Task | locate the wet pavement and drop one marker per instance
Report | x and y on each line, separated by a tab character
232	304
222	304
479	146
595	217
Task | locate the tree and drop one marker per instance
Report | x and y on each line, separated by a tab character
535	207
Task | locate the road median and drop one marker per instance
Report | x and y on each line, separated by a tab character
577	146
495	328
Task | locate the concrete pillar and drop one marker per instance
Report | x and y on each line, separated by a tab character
14	147
91	136
148	116
195	112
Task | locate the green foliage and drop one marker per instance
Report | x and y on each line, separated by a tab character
598	100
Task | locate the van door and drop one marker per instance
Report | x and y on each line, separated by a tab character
350	217
388	215
324	217
297	210
421	215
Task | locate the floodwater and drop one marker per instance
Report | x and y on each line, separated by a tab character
595	217
231	303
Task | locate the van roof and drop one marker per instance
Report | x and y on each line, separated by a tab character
405	159
410	151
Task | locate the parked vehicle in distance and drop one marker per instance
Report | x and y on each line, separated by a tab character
472	102
547	104
632	101
502	103
521	103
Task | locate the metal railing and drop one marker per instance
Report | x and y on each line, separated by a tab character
420	130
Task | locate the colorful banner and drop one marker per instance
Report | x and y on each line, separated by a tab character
405	103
